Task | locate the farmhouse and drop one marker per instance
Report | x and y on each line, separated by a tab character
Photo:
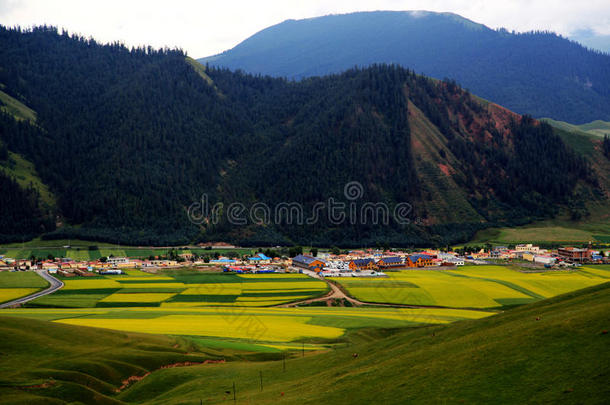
362	264
392	261
308	262
418	261
259	259
118	261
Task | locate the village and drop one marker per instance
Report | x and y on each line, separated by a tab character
349	263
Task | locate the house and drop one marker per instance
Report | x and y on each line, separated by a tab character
117	260
418	261
309	263
224	261
362	264
111	272
574	254
527	256
392	261
259	259
544	260
527	248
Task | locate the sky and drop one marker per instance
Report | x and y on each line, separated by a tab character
204	27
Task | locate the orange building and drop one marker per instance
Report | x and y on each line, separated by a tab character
418	261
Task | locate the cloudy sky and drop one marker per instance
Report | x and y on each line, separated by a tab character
206	27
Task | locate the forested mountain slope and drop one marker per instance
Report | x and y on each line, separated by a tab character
127	140
537	73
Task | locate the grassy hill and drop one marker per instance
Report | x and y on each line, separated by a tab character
15	107
596	128
548	352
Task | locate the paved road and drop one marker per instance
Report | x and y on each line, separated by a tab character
55	285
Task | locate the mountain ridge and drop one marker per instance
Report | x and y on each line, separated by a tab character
538	73
128	150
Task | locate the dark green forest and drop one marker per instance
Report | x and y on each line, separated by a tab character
128	139
538	73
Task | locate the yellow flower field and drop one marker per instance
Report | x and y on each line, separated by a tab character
266	328
9	294
470	286
261	324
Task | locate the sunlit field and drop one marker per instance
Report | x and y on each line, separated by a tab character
252	324
471	286
18	284
180	288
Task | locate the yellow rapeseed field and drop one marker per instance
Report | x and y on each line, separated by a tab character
265	328
9	294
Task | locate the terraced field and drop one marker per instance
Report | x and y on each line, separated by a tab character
472	286
19	284
182	288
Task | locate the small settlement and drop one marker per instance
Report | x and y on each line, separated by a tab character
352	263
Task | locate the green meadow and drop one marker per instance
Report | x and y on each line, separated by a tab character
552	351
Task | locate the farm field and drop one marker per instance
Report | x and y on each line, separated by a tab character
19	284
253	325
182	288
471	286
505	358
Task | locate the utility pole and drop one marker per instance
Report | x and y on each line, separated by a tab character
261	376
234	397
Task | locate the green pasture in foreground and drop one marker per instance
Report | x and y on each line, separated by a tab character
553	351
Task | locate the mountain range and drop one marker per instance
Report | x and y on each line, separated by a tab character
101	142
537	73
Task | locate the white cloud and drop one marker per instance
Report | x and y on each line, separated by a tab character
207	27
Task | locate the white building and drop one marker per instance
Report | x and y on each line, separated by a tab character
545	260
117	260
527	248
457	261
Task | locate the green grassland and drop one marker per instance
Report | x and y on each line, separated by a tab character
547	352
16	108
471	286
80	249
19	284
180	289
596	128
557	231
24	172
